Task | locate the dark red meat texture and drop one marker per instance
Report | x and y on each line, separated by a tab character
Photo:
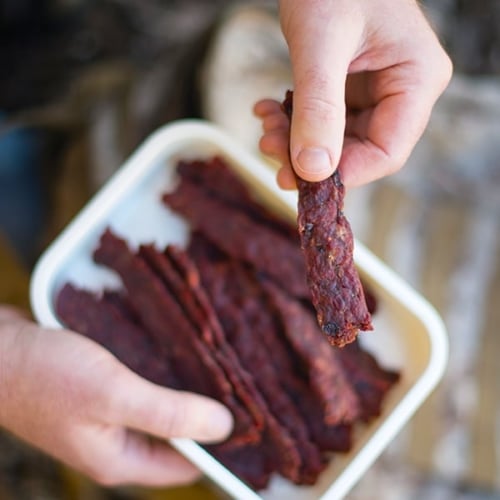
198	310
180	275
238	302
320	362
328	437
167	324
219	180
251	463
104	319
370	380
241	237
327	243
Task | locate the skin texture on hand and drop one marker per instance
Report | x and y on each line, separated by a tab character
367	74
68	396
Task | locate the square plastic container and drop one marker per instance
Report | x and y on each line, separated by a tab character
409	335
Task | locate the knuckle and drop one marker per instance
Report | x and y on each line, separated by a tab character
319	109
395	163
446	69
319	101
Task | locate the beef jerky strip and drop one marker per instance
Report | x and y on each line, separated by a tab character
242	334
217	178
241	237
250	463
101	320
321	364
206	314
334	438
277	446
237	303
120	300
198	310
173	334
327	243
369	379
326	437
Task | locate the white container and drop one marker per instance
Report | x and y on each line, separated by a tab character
409	335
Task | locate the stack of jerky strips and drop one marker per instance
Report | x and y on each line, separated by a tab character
230	317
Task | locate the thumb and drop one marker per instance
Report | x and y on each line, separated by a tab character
166	413
321	44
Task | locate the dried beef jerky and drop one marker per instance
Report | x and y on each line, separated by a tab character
250	464
161	315
323	368
238	303
277	450
329	438
369	379
220	181
184	283
187	269
296	383
104	321
327	243
241	237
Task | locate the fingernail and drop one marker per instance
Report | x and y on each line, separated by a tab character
220	422
315	161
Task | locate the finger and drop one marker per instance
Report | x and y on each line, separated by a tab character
322	44
276	122
117	457
275	144
392	130
153	463
266	106
286	177
166	413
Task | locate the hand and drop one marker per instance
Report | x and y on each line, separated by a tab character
68	396
367	74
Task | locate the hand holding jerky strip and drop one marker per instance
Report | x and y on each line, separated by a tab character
327	243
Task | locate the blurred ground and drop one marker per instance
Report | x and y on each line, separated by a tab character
83	82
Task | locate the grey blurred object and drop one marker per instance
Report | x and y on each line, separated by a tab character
469	31
459	153
247	60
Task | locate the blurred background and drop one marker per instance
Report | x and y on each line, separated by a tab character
84	82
